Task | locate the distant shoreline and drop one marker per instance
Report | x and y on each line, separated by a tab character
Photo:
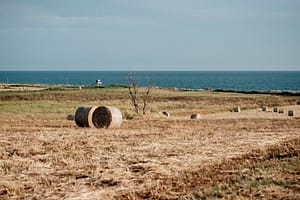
19	87
214	80
227	80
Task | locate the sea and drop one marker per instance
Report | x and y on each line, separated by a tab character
228	80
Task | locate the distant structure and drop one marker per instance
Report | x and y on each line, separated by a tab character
98	83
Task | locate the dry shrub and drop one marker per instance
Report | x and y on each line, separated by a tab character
128	115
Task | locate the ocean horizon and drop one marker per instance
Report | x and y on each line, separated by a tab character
235	80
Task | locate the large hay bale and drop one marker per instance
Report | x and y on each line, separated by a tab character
195	116
107	117
82	116
237	109
90	116
291	113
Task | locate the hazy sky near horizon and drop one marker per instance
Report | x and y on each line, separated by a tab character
150	35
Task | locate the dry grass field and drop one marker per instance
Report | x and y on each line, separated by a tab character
227	155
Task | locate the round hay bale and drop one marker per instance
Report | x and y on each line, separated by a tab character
195	116
81	116
280	110
90	116
275	109
71	117
265	108
107	117
237	109
166	113
291	113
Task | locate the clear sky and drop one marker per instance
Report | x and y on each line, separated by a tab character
149	35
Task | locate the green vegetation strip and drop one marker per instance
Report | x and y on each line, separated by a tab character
258	175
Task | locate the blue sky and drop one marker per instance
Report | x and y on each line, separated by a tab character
150	35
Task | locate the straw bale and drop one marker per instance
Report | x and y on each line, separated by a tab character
291	113
71	117
281	110
90	116
81	116
195	116
265	108
107	117
166	113
237	109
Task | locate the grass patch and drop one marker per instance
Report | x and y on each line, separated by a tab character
263	178
38	109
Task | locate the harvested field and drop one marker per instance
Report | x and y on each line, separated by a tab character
251	154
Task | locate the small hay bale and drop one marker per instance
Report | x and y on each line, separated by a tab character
195	116
291	113
265	108
71	117
107	117
280	110
81	116
236	109
275	109
166	113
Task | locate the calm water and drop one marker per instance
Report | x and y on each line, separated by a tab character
196	80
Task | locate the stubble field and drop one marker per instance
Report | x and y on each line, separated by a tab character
251	154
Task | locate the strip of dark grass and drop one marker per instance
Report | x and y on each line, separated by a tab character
246	176
254	174
273	92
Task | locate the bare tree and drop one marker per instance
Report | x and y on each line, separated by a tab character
133	84
147	94
133	87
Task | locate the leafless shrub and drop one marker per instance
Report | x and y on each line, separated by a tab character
133	84
133	87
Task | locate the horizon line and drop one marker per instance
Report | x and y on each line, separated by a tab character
90	70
